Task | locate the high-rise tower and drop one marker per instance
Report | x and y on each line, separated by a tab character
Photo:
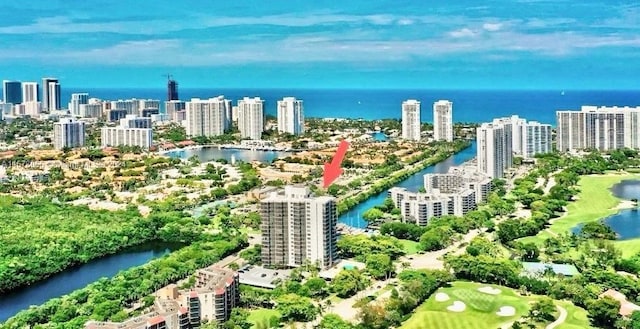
172	89
50	94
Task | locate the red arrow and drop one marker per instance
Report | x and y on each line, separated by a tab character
332	170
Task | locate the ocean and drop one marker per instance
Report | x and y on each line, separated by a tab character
468	105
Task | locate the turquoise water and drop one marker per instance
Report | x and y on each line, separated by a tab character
379	137
354	218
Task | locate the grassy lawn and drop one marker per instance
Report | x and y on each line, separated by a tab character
410	247
481	308
595	201
576	317
262	315
628	247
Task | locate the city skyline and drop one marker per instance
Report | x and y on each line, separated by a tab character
501	45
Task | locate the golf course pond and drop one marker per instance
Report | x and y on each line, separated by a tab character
626	223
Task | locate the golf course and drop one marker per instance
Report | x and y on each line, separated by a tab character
594	201
481	306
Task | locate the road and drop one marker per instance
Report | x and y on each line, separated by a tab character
560	320
433	259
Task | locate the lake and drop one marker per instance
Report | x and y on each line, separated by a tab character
626	223
354	218
210	153
80	276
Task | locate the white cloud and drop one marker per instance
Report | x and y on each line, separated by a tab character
405	21
462	33
492	27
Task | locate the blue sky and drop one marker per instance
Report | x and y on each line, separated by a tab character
523	44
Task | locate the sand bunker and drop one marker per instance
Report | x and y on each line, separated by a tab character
489	290
506	311
442	297
457	306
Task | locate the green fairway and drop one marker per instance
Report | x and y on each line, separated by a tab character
576	317
628	247
262	315
594	201
481	308
410	247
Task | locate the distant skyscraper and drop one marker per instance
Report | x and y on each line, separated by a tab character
493	149
12	91
206	117
443	121
290	116
68	132
50	94
296	227
30	92
77	100
172	90
251	117
411	120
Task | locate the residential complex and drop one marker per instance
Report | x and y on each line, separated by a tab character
251	117
50	94
132	106
411	120
175	110
76	101
206	117
12	92
297	227
600	128
499	141
443	121
290	116
493	143
132	131
454	193
68	132
536	139
215	293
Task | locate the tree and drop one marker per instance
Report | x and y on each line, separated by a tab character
542	310
436	238
296	308
333	321
635	320
238	320
529	251
372	214
379	266
603	312
334	189
597	230
374	316
317	286
348	282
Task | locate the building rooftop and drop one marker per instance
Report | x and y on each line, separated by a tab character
626	307
258	276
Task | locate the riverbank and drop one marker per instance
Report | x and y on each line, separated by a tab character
383	184
595	201
106	297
